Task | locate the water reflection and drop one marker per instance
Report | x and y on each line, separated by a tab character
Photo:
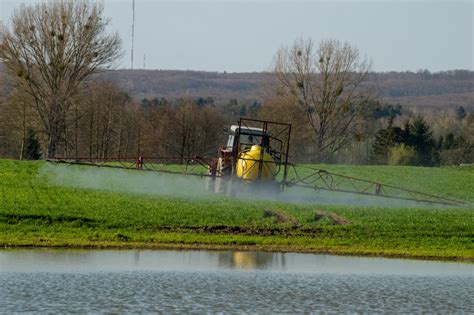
250	260
47	260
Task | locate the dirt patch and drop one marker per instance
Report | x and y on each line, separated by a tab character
48	220
238	230
242	230
279	217
332	217
122	237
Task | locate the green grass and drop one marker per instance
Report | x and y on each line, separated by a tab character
45	205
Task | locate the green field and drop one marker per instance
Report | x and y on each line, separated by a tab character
71	206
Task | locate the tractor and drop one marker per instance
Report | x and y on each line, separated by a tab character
256	154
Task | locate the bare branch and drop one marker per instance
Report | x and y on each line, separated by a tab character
329	83
50	49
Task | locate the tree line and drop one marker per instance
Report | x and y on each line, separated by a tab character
51	104
106	123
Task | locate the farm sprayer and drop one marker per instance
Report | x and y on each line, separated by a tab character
256	158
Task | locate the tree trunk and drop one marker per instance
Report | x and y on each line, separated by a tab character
52	145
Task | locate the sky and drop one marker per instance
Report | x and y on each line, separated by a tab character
244	35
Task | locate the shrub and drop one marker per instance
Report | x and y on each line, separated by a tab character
456	156
402	155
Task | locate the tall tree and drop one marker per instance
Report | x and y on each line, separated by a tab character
422	141
104	122
49	50
328	82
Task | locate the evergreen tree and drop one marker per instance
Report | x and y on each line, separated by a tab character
243	111
32	146
422	141
381	147
255	107
461	113
201	101
378	110
384	140
405	135
449	142
440	144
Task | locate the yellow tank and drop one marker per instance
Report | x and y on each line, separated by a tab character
248	164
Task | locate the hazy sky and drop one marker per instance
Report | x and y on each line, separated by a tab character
243	36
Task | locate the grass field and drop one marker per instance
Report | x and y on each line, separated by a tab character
71	206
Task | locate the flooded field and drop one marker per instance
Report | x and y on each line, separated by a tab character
184	281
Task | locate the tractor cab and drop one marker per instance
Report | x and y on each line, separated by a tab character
243	138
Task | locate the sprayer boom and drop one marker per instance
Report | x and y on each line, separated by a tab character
322	180
257	154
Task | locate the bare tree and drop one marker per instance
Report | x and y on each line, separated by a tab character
101	120
182	130
328	83
468	128
49	50
281	108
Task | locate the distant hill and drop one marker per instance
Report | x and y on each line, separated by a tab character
421	89
446	89
424	89
174	84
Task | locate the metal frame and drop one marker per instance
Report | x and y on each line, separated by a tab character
321	179
194	166
283	138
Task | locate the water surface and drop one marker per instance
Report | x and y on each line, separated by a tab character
201	281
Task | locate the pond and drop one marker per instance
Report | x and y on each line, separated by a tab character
45	280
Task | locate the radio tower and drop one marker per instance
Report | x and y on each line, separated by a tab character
133	31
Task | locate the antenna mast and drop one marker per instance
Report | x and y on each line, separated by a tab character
133	31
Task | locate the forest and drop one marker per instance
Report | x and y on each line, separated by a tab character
107	121
59	98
